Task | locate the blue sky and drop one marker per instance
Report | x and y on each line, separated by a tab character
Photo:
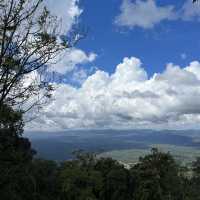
156	47
138	67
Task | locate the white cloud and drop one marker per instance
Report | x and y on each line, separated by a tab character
69	59
127	99
129	70
145	14
67	12
79	76
194	67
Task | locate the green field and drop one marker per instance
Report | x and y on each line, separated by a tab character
183	155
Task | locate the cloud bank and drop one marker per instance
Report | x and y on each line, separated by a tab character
128	98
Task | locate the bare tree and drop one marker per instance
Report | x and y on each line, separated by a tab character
29	40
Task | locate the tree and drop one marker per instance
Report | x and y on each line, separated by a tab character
196	167
29	40
79	180
16	155
195	180
117	184
13	147
10	121
45	176
157	177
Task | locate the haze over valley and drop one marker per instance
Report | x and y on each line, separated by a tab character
123	145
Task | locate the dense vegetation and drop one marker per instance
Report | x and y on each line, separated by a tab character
155	177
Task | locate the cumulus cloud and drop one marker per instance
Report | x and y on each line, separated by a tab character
145	14
127	99
68	13
80	75
69	59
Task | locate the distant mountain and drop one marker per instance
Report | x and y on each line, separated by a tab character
59	146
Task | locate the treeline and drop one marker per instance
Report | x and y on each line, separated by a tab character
156	176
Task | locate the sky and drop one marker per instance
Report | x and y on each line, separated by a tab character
137	67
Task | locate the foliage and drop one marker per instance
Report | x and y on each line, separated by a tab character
157	177
29	40
15	156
